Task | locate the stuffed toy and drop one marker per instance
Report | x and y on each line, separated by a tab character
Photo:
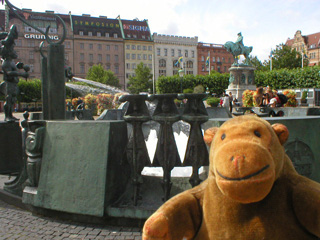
252	192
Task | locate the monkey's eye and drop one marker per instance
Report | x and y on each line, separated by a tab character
223	136
257	133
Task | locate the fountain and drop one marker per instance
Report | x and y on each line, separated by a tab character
100	170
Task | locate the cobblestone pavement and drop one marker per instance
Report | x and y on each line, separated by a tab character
19	224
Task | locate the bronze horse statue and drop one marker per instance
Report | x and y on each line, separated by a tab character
236	50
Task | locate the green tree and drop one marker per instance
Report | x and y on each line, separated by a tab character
99	74
258	64
141	82
286	57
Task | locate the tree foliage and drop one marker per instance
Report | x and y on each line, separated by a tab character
29	90
99	74
286	57
142	81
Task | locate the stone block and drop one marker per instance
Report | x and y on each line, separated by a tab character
82	168
10	147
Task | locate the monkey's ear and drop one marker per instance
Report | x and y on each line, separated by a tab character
281	131
209	134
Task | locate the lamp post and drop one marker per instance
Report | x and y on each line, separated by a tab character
181	78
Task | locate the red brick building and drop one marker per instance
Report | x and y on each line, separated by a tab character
214	57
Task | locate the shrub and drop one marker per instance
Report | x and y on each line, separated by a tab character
188	90
291	96
213	101
90	101
198	89
247	98
104	102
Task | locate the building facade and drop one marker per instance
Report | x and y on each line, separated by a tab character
138	46
309	45
169	49
97	41
213	57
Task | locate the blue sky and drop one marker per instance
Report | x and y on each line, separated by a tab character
263	24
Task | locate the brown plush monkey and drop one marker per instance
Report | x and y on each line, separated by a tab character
253	191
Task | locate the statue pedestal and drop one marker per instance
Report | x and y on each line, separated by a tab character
241	79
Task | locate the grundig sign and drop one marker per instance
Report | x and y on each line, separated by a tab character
40	36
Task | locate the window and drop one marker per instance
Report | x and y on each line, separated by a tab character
128	35
81	33
223	60
162	72
90	34
99	57
139	56
144	48
128	56
107	35
98	34
19	42
158	51
134	36
149	48
67	44
150	56
116	47
186	53
162	63
81	56
91	57
108	67
116	69
81	45
108	47
202	67
189	64
66	56
108	57
133	66
90	46
225	69
115	35
128	47
179	53
99	46
202	58
82	69
213	59
116	58
31	43
165	52
128	65
192	54
133	56
176	63
172	52
139	47
218	60
144	56
133	47
31	55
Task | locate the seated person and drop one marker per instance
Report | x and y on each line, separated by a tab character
258	97
275	100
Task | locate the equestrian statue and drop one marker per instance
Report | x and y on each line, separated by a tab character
237	48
